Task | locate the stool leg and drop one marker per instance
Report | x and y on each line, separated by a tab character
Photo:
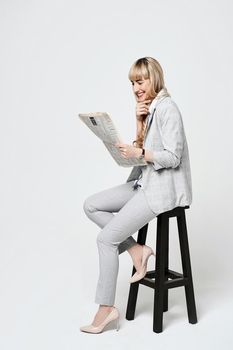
166	261
186	264
133	291
162	228
132	300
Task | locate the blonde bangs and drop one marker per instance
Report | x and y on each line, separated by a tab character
138	71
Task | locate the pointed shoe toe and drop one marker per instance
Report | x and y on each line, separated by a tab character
136	277
88	328
114	315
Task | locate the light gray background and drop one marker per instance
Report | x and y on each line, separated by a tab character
59	58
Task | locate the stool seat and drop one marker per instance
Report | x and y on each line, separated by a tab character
161	279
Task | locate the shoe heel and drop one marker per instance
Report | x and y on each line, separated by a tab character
117	324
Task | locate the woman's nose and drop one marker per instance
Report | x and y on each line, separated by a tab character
135	88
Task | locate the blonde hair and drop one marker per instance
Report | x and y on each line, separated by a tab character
148	68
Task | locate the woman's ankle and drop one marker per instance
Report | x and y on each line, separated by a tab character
134	249
106	307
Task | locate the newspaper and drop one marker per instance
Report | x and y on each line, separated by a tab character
102	126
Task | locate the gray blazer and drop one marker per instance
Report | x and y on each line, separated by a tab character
167	180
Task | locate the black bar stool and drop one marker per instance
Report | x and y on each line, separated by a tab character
161	279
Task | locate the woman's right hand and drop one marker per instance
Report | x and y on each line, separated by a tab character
142	109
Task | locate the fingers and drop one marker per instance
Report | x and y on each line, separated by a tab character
120	145
144	102
147	101
142	109
123	146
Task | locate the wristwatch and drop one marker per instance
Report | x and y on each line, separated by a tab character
142	156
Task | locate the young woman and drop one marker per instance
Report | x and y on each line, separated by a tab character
161	185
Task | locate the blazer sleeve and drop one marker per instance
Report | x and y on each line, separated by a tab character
172	137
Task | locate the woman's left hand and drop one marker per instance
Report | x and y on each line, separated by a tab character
129	151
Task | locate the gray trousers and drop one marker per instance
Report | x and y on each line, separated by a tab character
133	212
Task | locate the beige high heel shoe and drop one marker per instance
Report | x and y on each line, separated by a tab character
146	253
113	316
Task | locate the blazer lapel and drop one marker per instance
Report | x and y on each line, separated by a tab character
149	123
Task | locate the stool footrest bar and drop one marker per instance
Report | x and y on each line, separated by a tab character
176	279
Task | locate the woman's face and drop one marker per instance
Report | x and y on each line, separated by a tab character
141	89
